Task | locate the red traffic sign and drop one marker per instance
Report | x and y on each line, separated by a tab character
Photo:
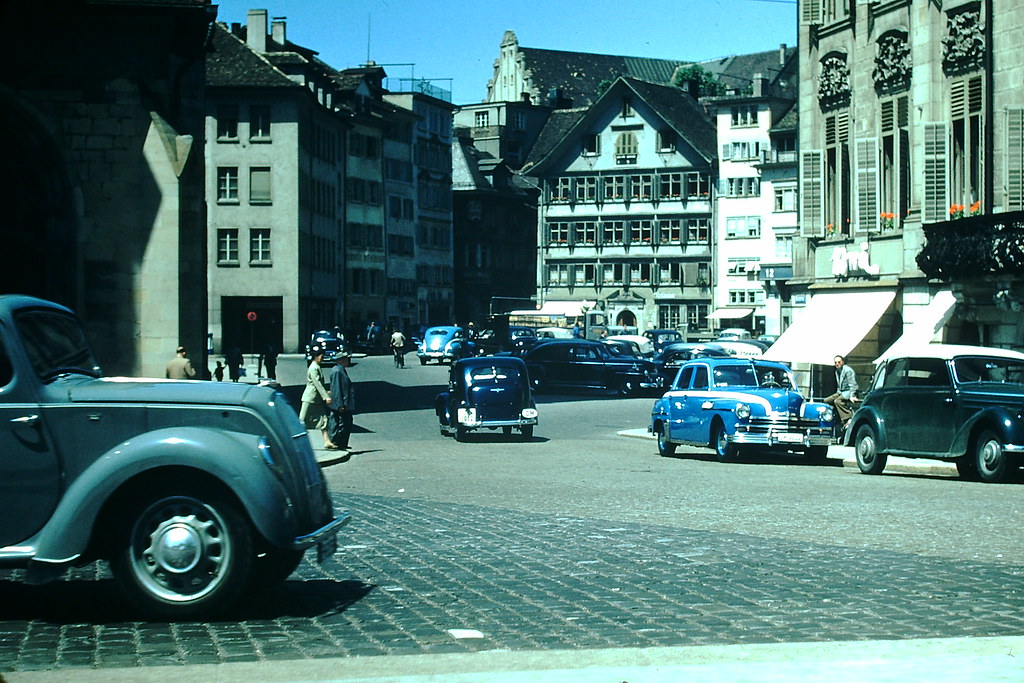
251	316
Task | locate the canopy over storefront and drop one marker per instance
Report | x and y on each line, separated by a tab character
571	309
730	313
832	324
927	323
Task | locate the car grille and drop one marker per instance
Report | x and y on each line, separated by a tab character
777	422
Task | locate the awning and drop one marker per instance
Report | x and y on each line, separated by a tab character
926	323
830	325
730	313
558	308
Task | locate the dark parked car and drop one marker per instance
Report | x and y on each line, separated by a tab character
446	343
331	341
729	403
488	392
520	339
661	338
584	363
958	403
193	491
674	355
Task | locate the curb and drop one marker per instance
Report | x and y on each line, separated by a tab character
894	464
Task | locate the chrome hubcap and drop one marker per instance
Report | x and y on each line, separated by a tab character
990	455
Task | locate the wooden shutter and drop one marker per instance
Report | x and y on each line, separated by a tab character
936	142
810	12
1015	159
866	160
811	178
727	151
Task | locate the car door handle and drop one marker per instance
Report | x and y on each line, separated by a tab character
28	420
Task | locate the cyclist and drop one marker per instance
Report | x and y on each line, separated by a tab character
398	348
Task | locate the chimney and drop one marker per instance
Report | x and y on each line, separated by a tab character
760	85
256	30
782	54
277	30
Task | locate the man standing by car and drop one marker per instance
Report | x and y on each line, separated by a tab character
846	388
180	367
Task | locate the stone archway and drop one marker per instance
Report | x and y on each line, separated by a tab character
625	318
38	232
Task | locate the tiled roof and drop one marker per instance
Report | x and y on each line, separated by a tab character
738	71
579	74
789	121
558	125
231	63
686	116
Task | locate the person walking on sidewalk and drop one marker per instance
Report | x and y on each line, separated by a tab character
180	367
316	401
343	403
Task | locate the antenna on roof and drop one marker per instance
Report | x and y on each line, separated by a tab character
369	25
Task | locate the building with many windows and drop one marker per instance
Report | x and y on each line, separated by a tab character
625	213
275	177
910	177
755	208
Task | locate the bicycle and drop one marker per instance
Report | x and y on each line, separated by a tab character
399	354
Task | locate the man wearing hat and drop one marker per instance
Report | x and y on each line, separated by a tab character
180	367
343	403
316	401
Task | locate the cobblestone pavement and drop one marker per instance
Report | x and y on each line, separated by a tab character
418	577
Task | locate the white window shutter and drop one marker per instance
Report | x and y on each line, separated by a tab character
811	175
867	184
936	143
1015	160
810	12
726	151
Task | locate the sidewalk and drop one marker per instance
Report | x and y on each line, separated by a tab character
879	661
846	454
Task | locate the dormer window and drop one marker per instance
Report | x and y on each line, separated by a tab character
625	149
591	144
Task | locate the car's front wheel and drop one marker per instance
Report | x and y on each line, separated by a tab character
183	553
724	449
461	433
989	458
527	432
865	445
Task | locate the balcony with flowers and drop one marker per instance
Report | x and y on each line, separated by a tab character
972	244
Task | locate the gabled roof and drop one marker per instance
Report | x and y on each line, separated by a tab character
231	63
676	108
579	74
738	71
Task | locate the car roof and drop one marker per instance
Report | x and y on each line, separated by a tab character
489	361
446	328
735	360
949	351
638	338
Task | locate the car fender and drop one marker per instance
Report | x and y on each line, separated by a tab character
233	458
867	415
441	408
1004	421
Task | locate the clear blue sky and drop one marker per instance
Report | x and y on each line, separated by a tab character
459	39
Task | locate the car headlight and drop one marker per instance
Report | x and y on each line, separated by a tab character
742	411
529	413
467	416
825	413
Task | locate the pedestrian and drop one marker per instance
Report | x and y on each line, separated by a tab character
180	367
846	390
577	331
343	403
268	361
218	372
316	400
233	358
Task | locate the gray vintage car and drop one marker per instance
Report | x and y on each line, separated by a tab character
193	491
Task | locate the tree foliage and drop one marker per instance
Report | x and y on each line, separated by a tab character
707	84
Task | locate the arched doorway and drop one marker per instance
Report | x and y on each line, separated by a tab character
626	318
39	227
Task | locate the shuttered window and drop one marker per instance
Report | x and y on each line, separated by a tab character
935	145
810	12
811	218
1015	160
867	184
966	151
894	157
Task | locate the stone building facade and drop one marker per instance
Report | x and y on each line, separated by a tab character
102	171
910	116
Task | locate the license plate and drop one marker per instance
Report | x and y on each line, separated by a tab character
789	438
326	547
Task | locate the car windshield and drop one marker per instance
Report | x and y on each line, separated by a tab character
771	376
55	344
437	332
735	376
494	373
989	369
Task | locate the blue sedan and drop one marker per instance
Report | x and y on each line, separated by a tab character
729	403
